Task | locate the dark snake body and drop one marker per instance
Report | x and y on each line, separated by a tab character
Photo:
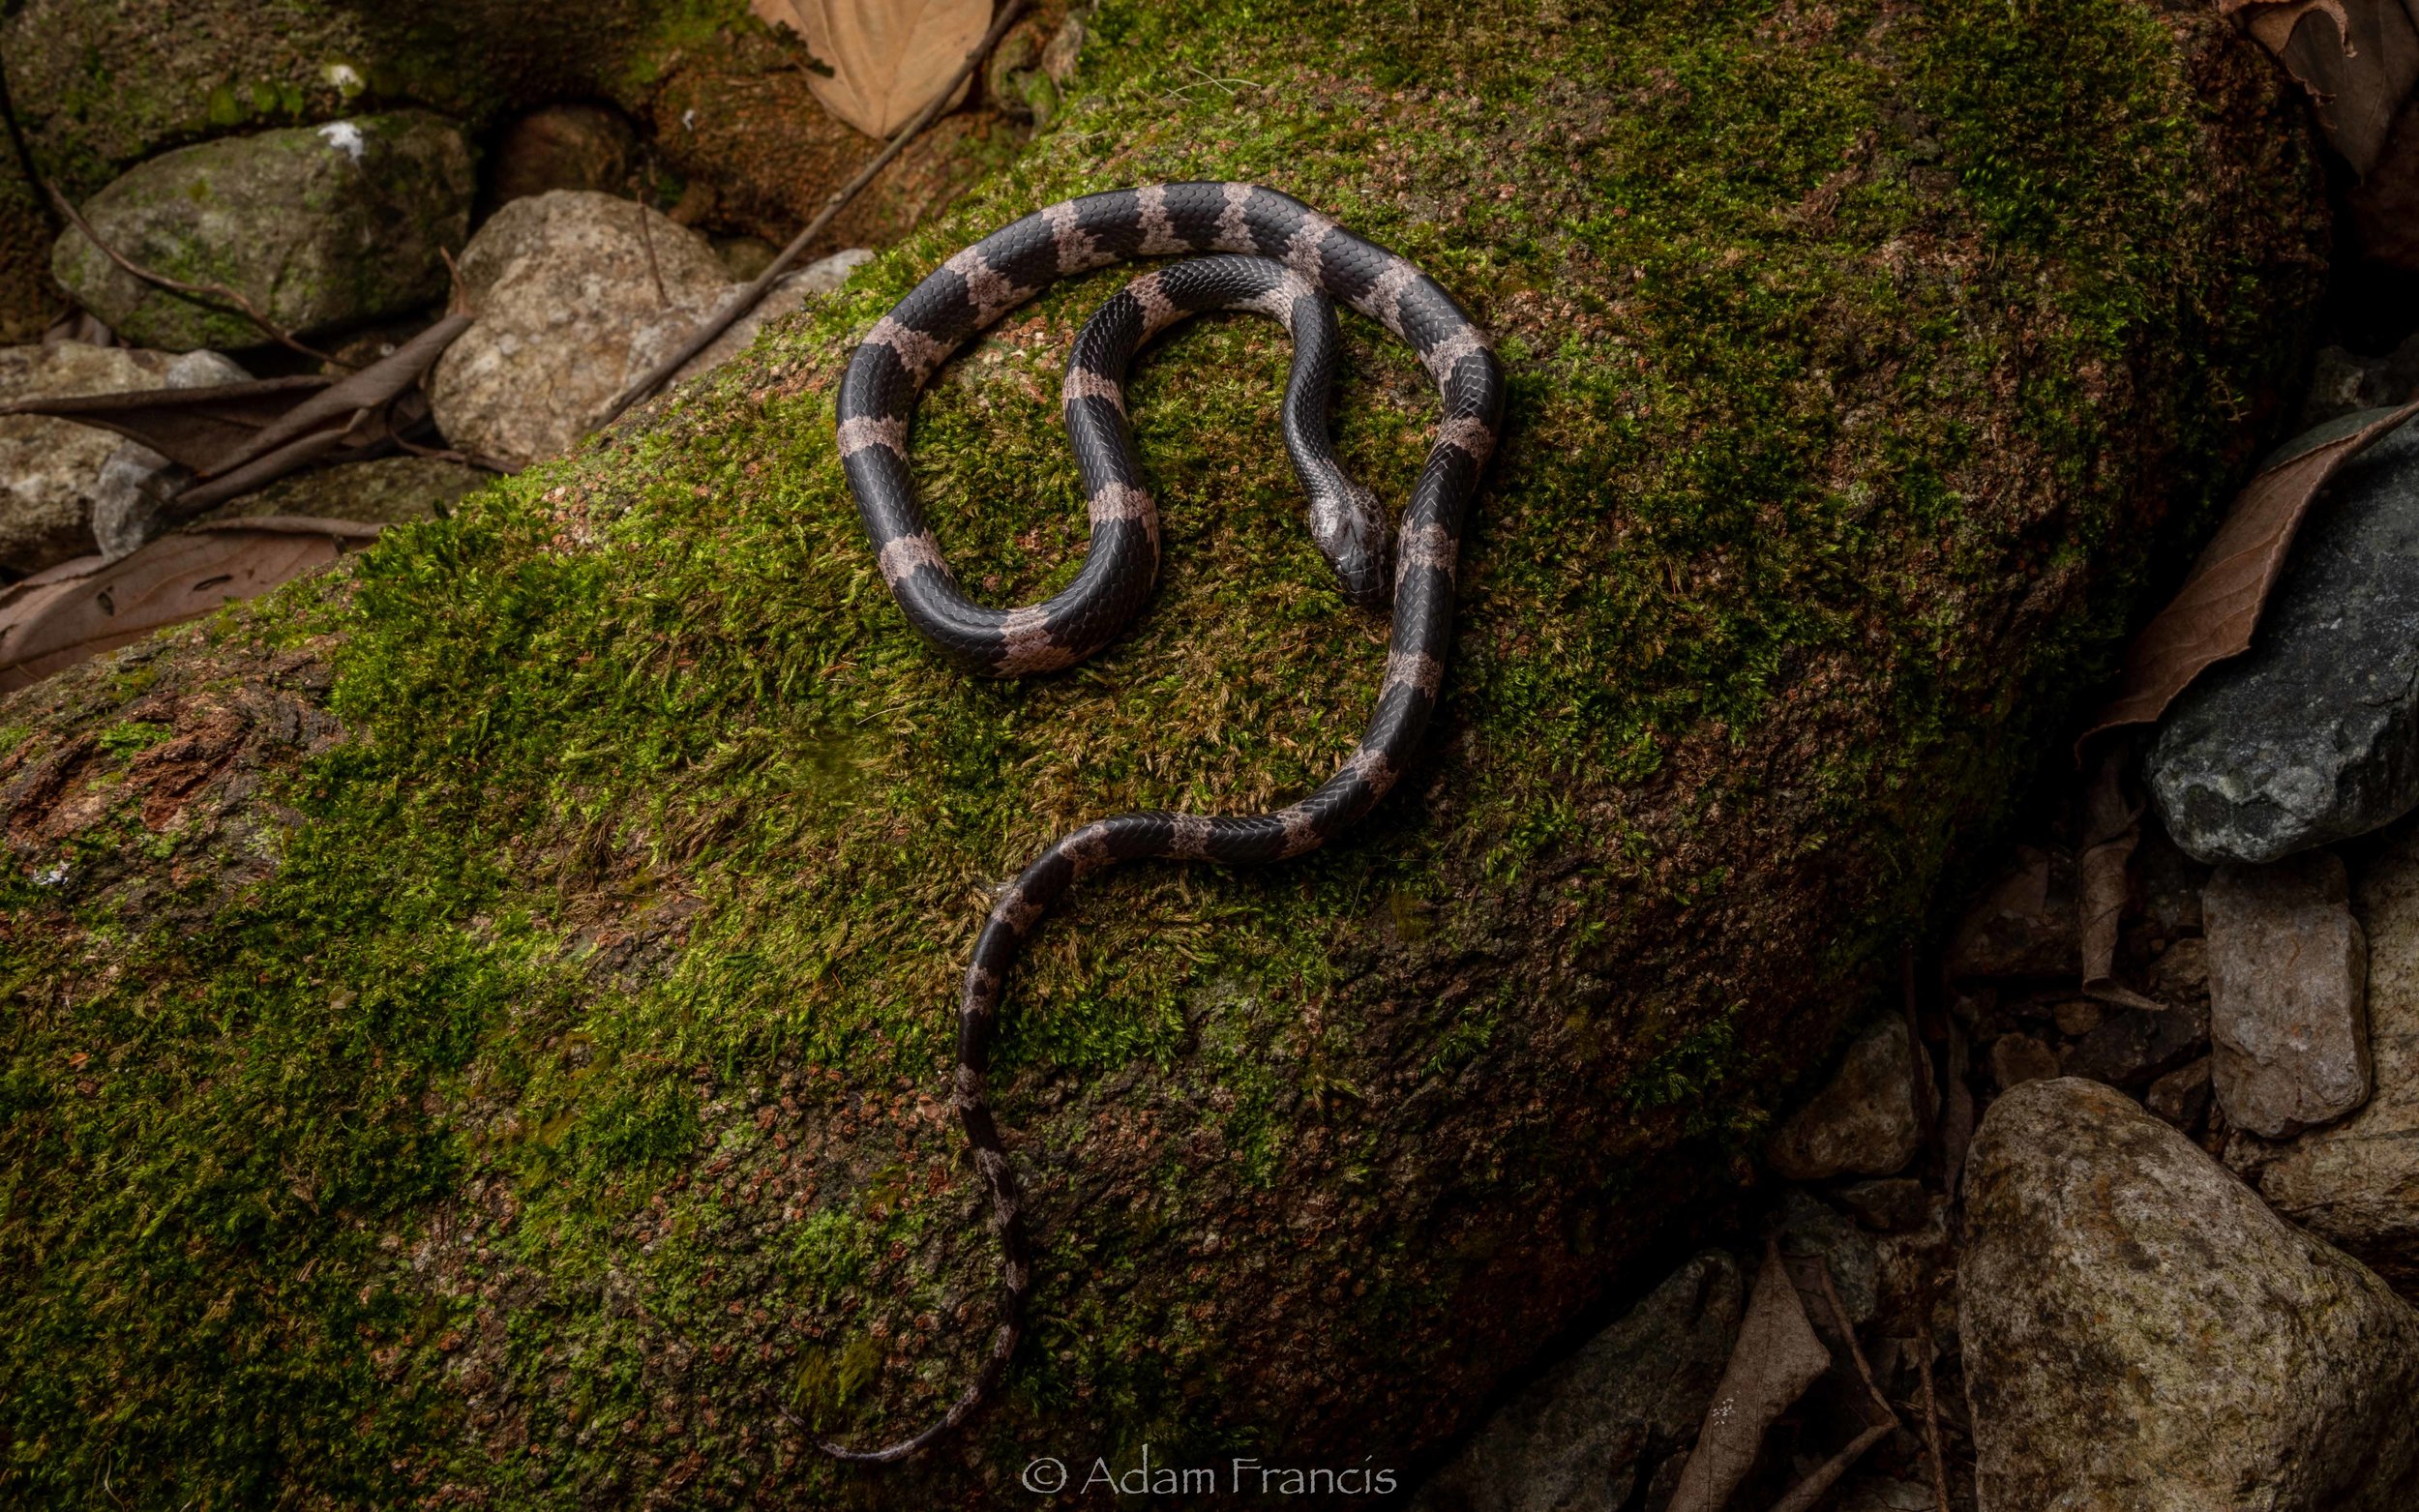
1285	260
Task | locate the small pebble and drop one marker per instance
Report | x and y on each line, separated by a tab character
2018	1059
2078	1017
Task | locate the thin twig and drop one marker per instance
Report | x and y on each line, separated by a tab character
203	293
1847	1330
748	298
1810	1491
1931	1418
654	270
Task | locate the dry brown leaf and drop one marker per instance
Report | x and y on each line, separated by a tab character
80	609
2111	828
2213	616
888	58
1776	1357
2358	63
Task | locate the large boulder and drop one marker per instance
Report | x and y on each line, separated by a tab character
578	295
482	1013
2142	1332
562	283
318	227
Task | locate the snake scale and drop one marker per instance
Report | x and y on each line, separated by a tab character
1279	257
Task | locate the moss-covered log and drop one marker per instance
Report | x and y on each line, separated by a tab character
476	1020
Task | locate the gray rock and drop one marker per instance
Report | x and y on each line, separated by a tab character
1890	1205
562	283
2133	1047
2018	1059
2180	973
2077	1016
2181	1097
1911	1277
2343	381
1590	1434
659	338
319	227
2289	1024
2312	735
2357	1183
1865	1122
1878	1492
130	498
2025	925
1812	1234
2142	1332
53	471
577	295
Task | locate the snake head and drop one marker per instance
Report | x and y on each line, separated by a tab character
1349	524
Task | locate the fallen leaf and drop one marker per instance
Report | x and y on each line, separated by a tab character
342	406
241	438
2111	828
888	58
2357	60
56	618
189	427
1776	1357
2213	616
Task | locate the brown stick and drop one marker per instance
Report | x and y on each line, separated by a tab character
1810	1491
1848	1332
654	270
205	292
1931	1419
749	297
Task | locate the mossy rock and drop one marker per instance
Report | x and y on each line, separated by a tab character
28	301
318	227
726	96
479	1017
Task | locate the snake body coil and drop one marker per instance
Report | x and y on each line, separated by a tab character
1285	260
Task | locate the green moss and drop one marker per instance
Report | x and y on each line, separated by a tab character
550	1097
